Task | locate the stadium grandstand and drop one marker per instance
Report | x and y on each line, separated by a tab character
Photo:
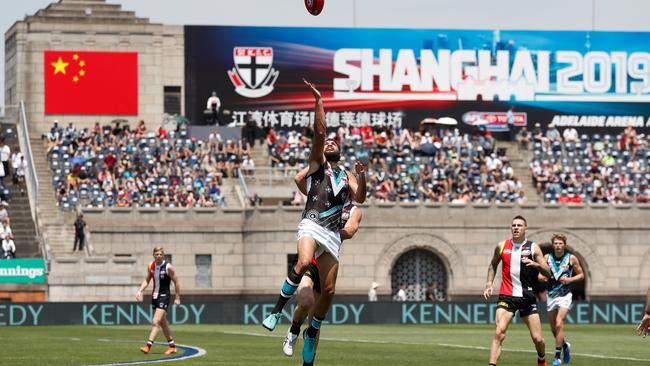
123	136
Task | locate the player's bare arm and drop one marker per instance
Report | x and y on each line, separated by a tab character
358	187
301	180
492	270
177	284
352	226
541	277
316	157
143	285
579	274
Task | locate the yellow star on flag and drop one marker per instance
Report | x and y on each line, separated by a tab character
59	66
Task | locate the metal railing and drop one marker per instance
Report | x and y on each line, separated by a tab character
244	188
269	176
31	178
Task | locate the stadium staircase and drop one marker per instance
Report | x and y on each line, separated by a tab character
58	234
520	161
22	224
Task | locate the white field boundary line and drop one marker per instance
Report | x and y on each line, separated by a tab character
198	352
448	345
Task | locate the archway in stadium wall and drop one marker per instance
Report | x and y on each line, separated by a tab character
443	253
417	268
578	247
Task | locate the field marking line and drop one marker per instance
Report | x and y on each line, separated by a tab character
189	352
447	345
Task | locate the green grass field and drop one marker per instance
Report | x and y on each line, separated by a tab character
375	345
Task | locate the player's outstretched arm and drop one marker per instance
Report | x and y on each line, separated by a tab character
301	180
492	270
352	226
143	285
177	284
316	157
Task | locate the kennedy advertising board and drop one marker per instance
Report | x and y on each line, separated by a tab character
242	312
597	80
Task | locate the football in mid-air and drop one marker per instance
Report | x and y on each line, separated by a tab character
314	7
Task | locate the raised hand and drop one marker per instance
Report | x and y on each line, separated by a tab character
314	91
359	168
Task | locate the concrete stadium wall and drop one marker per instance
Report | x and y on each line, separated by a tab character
249	247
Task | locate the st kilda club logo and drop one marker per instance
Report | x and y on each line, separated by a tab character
253	76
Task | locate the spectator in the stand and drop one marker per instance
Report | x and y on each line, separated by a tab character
15	162
271	139
5	155
297	198
570	134
552	134
4	215
7	236
79	233
214	105
21	170
256	200
141	130
523	138
248	165
433	293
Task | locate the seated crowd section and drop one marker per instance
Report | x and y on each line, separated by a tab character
432	165
116	166
573	168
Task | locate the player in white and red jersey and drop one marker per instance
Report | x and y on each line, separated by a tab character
522	262
162	273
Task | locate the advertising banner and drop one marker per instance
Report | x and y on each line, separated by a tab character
589	80
241	312
22	271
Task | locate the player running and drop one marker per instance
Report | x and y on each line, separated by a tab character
522	262
162	274
562	265
308	293
329	187
644	327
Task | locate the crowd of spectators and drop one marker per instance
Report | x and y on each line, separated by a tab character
6	235
115	165
430	165
572	168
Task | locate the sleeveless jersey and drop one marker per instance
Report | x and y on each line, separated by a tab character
516	277
559	268
327	192
161	279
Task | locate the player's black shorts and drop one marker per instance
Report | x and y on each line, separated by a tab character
526	305
312	272
162	302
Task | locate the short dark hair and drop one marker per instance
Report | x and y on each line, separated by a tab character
558	236
519	217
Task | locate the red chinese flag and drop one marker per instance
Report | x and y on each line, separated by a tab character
80	82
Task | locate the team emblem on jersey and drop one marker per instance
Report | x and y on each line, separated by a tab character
507	251
253	76
312	214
